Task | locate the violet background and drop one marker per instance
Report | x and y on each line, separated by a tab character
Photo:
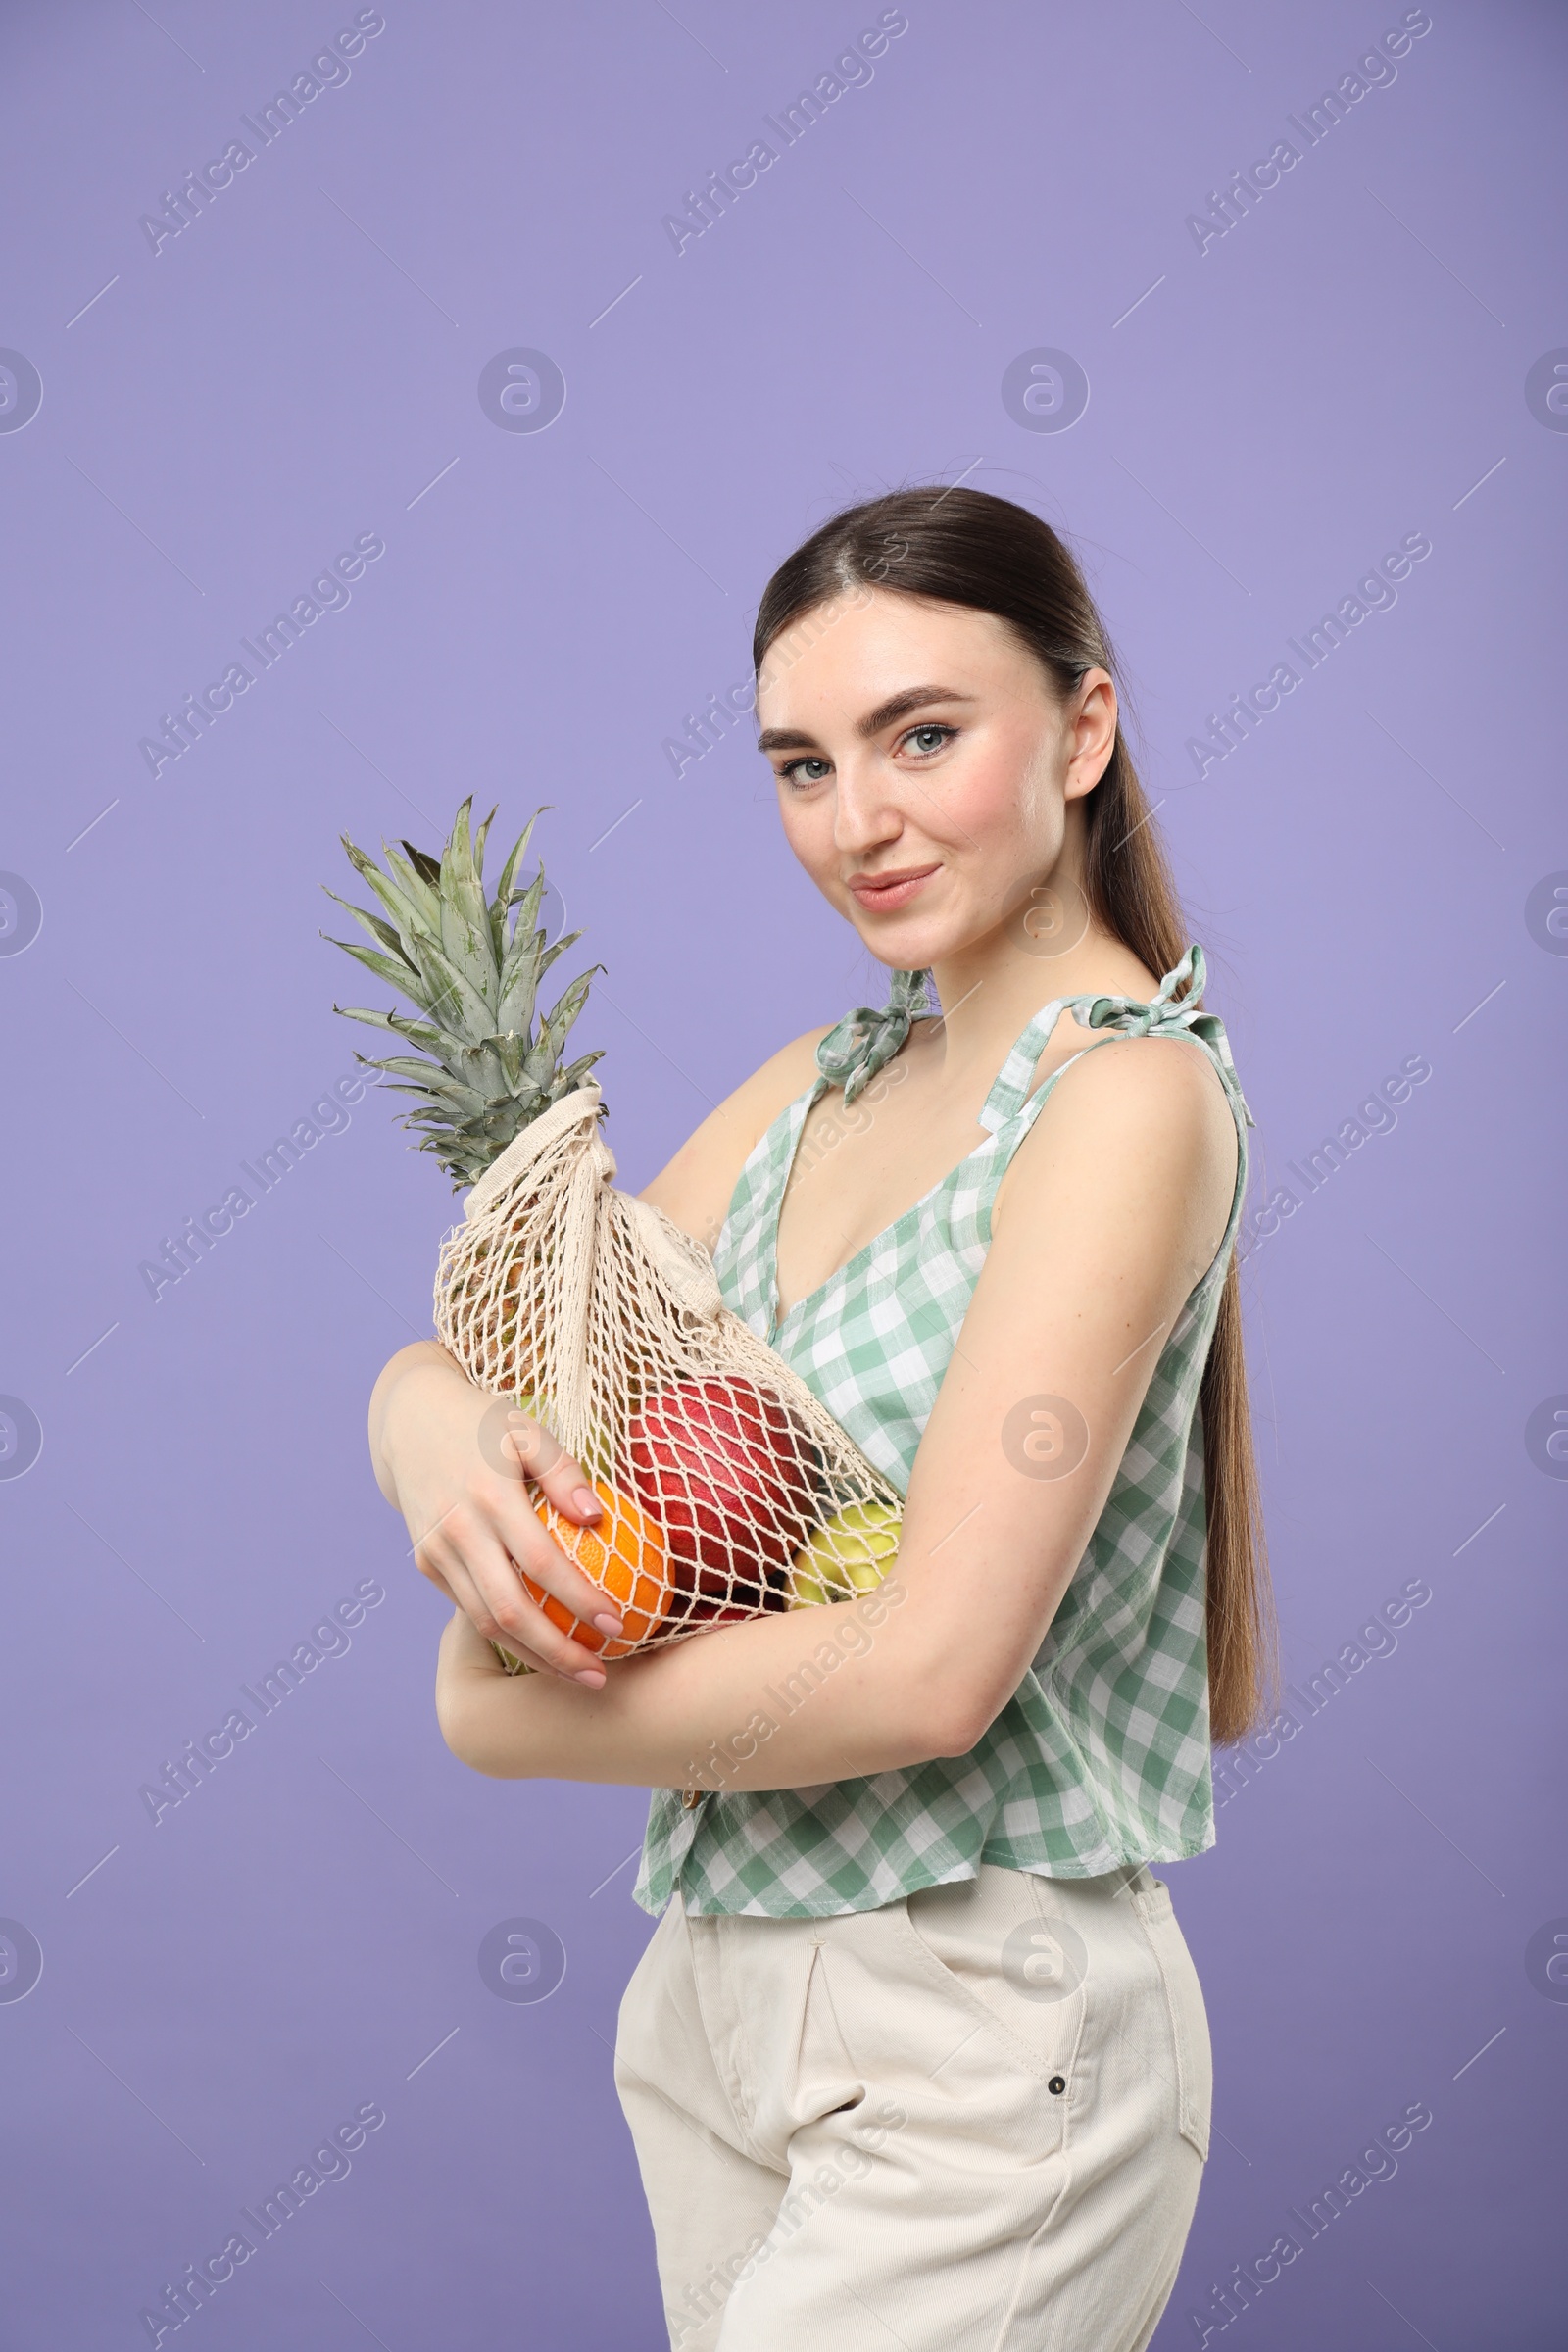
1343	368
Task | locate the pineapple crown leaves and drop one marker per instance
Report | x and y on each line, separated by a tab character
473	966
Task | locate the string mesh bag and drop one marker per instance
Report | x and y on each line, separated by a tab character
729	1491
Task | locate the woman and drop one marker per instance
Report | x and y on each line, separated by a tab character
916	2054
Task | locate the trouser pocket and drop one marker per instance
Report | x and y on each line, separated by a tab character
1018	1973
1184	2005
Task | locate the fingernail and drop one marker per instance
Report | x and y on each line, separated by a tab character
585	1499
593	1675
607	1623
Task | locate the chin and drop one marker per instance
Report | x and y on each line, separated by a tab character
914	946
912	940
909	951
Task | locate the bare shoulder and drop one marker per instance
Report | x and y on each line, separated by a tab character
1133	1116
694	1188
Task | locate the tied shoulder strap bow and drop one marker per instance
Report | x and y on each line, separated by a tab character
1167	1015
857	1048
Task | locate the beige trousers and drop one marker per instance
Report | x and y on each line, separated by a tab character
971	2121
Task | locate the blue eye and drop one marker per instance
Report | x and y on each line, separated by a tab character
790	771
937	734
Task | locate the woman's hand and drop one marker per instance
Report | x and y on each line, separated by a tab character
454	1461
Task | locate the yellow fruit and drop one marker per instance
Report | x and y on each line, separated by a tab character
851	1553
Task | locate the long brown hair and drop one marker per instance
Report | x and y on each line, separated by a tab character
965	547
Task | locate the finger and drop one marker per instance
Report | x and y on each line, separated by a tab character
565	1483
490	1592
518	1445
470	1565
464	1637
527	1540
558	1579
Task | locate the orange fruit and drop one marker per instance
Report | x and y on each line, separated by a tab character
625	1555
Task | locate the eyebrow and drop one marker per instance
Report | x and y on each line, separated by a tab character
897	706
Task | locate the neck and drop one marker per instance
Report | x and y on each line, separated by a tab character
1048	946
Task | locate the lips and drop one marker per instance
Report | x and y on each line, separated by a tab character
892	889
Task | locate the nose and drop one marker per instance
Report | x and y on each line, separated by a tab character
865	815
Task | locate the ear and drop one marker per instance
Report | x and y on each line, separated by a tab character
1092	720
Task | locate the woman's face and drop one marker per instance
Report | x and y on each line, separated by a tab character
926	767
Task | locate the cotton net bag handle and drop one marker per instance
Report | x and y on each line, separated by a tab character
730	1490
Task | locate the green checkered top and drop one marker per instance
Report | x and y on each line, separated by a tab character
1102	1756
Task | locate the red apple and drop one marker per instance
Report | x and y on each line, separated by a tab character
729	1475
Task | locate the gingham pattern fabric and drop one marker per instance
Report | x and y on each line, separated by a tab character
1102	1757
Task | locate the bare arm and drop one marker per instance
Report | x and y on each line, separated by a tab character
1115	1204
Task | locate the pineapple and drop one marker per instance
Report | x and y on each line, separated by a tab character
473	968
